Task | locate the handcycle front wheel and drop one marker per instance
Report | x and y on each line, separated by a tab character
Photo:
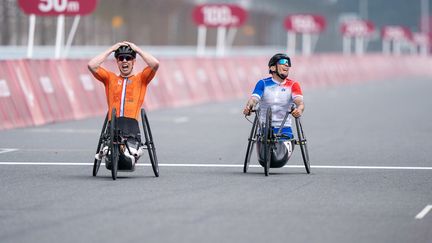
251	143
114	149
96	164
267	141
149	143
302	141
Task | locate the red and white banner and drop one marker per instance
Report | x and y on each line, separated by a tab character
395	32
357	28
421	39
219	15
57	7
305	23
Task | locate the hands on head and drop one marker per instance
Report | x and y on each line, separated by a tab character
132	45
124	43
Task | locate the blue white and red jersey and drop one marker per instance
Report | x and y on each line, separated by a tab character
278	96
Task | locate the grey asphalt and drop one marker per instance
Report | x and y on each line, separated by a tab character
376	124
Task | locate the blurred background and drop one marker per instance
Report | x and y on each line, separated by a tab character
169	23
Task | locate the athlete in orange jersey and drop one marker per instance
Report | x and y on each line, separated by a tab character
125	91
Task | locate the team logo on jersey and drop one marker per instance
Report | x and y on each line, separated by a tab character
283	89
119	82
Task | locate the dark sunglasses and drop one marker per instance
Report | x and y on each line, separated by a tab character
284	61
121	58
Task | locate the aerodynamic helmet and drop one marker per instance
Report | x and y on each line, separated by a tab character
124	50
279	56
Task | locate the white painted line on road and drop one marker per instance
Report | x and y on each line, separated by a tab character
65	130
424	212
228	165
372	167
7	150
55	150
44	163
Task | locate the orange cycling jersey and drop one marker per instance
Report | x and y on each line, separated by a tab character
126	94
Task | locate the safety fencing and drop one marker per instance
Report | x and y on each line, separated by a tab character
36	92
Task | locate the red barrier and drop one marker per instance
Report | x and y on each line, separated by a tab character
34	92
228	77
215	86
20	78
196	76
88	91
51	93
172	77
14	109
73	94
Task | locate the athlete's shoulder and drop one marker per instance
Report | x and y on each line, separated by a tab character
268	81
103	74
290	82
101	69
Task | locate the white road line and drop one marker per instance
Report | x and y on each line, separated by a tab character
65	130
372	167
229	165
423	212
55	150
7	150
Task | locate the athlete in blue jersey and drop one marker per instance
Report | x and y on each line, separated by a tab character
278	92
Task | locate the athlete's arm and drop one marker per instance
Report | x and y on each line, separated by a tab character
252	102
95	63
257	93
298	111
149	59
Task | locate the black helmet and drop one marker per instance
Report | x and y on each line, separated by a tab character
125	50
275	58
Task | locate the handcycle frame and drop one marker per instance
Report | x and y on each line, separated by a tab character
268	139
111	136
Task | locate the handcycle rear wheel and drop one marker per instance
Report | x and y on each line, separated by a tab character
96	164
267	141
149	143
251	143
114	149
302	141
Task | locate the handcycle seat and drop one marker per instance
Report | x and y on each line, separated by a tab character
120	138
128	127
279	155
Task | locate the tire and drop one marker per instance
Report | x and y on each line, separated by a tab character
114	155
96	164
267	141
251	143
302	141
149	143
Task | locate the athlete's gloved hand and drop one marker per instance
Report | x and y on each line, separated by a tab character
296	113
247	110
117	45
132	45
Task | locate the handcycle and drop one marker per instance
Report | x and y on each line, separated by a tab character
120	134
269	142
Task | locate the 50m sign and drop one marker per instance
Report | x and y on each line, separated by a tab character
57	7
